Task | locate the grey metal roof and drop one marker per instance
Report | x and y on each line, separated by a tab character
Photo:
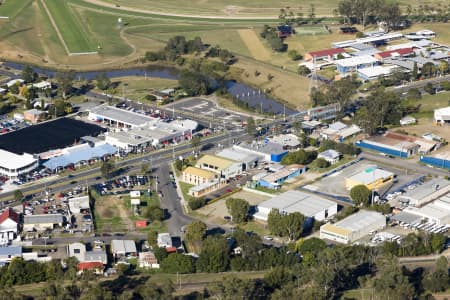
121	115
298	201
360	220
43	219
407	218
11	250
423	190
123	246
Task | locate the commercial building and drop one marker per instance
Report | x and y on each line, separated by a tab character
349	65
288	141
271	152
339	131
116	117
79	155
197	176
400	145
225	168
372	177
151	134
14	165
34	115
123	249
437	212
373	40
248	160
442	116
276	179
330	155
42	222
309	205
354	227
422	194
441	160
77	250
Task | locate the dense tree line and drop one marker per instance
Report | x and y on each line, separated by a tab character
288	225
371	11
343	148
340	91
299	157
271	36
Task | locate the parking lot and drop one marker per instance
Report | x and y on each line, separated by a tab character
334	184
9	124
204	107
122	185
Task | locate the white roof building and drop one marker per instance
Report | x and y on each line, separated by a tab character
250	160
375	72
356	61
436	212
123	248
78	203
426	192
15	81
14	165
442	115
309	205
330	155
290	140
164	240
353	227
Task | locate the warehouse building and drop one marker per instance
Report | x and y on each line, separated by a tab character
442	116
248	160
42	222
375	72
354	227
116	117
271	152
276	179
372	177
225	168
309	205
437	212
441	160
424	193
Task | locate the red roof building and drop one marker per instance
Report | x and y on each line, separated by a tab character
394	53
95	266
9	221
171	250
323	54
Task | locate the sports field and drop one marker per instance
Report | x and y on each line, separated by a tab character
72	31
254	45
10	8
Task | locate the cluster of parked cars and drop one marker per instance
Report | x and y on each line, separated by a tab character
8	125
32	176
121	185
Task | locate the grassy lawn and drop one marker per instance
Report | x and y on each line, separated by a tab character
240	8
185	189
12	8
137	88
343	160
429	103
328	73
69	24
258	228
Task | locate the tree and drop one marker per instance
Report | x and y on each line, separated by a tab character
196	231
107	169
251	127
14	89
294	55
438	281
238	209
414	94
215	255
443	67
303	70
18	195
429	88
155	213
428	69
146	168
231	288
312	245
360	195
274	222
293	224
103	82
322	163
178	263
28	74
438	242
299	157
415	71
391	283
195	83
195	142
65	83
152	238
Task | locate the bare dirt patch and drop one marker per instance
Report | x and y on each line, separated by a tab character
254	45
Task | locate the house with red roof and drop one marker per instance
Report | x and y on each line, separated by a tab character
403	52
94	266
327	54
9	222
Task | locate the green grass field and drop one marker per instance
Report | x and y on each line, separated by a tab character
69	24
11	8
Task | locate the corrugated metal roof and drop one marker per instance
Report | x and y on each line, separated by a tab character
335	229
220	162
199	172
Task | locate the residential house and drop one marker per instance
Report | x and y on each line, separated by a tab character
94	266
164	240
330	155
123	249
148	260
9	222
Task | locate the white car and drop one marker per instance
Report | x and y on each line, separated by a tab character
268	238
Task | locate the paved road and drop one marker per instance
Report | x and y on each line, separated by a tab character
171	201
404	164
419	84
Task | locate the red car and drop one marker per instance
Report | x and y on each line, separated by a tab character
228	190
